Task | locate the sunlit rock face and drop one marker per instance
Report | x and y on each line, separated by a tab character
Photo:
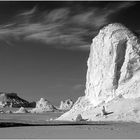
66	105
113	69
113	65
43	105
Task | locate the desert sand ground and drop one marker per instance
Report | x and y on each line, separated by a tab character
59	129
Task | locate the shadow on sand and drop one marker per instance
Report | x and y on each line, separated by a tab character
107	113
50	123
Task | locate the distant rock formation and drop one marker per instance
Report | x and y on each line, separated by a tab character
13	100
22	110
113	70
66	105
8	112
42	106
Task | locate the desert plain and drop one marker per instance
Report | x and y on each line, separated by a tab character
38	126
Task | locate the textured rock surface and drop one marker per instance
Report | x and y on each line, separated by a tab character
113	70
43	105
66	105
13	100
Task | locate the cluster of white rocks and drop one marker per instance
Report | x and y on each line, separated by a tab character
43	105
113	70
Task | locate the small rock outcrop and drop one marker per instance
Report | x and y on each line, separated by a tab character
22	110
66	105
42	106
9	112
113	70
79	118
13	100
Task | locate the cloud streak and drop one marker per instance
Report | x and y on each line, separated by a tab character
63	27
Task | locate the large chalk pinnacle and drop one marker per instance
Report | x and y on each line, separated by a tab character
113	69
114	58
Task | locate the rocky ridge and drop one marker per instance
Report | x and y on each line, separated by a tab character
13	100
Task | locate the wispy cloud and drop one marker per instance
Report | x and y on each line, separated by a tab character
28	13
63	27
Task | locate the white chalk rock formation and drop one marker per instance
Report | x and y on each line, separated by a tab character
113	69
22	110
66	105
9	112
113	65
43	105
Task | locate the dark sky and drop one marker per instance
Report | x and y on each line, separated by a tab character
44	46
